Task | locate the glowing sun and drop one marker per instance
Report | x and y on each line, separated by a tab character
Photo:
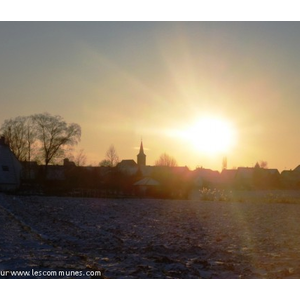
210	135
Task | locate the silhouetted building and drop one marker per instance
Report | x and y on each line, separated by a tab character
141	157
127	166
291	178
228	177
147	187
205	178
244	177
68	163
175	182
30	170
10	168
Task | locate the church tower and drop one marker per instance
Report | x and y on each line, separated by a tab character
141	157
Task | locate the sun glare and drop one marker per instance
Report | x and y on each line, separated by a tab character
210	135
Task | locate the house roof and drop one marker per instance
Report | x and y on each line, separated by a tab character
272	171
127	163
206	173
147	181
177	170
245	172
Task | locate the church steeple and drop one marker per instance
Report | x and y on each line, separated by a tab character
141	157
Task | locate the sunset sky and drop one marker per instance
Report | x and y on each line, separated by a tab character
123	81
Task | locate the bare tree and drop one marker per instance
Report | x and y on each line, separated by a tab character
54	136
263	164
14	134
20	134
111	156
80	158
166	160
105	163
31	138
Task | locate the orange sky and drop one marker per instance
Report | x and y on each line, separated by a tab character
126	81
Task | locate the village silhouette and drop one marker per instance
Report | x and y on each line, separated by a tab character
130	178
127	219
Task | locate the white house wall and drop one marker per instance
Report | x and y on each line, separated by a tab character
10	169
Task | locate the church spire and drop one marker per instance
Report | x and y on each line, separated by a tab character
141	157
141	148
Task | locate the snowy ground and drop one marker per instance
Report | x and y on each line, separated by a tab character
133	238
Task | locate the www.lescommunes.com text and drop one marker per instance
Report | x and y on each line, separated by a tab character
49	273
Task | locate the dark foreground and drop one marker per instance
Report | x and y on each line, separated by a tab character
148	238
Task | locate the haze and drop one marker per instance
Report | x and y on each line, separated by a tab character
127	81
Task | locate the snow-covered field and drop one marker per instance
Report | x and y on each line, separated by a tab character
148	238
